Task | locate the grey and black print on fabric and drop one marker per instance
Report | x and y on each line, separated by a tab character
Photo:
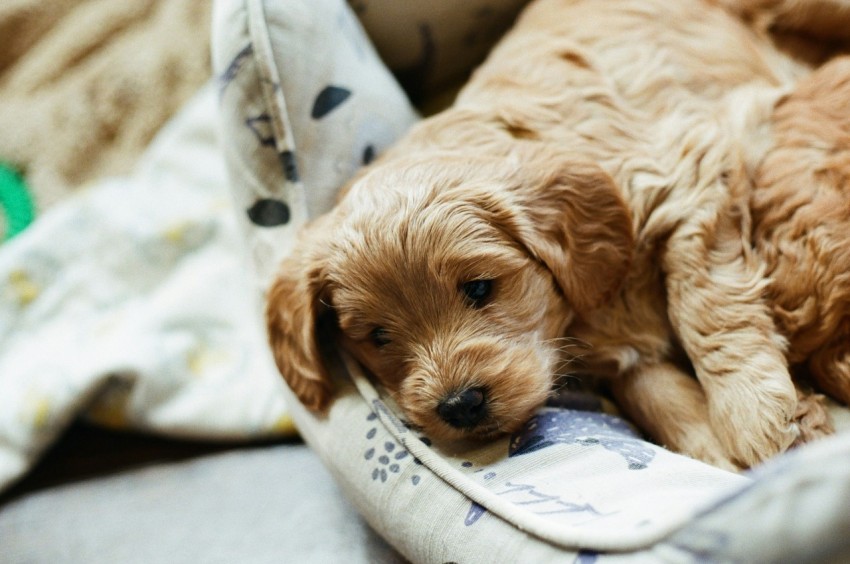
549	428
585	428
388	456
294	137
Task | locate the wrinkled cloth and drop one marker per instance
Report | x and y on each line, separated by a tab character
129	304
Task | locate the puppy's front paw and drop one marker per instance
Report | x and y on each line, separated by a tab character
753	429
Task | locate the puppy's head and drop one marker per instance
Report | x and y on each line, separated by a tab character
451	279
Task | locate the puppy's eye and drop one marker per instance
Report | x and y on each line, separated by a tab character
379	337
477	291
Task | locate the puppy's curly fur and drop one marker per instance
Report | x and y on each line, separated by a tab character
584	205
801	209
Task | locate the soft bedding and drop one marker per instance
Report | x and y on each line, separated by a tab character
106	307
129	304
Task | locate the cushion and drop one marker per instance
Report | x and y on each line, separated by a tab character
304	100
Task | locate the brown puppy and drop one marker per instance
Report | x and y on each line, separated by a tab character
581	199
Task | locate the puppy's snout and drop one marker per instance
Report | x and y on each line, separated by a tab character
464	409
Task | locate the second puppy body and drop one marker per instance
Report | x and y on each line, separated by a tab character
564	207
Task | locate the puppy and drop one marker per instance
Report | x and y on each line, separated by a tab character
579	207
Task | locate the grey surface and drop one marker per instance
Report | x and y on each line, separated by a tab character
272	504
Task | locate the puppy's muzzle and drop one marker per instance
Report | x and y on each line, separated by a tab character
464	409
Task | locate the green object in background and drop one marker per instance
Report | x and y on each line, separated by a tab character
15	201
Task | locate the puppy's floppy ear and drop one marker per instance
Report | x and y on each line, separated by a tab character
293	309
573	219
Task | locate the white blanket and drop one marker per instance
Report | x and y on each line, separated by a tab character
131	304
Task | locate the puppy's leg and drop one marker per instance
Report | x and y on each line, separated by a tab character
671	408
716	306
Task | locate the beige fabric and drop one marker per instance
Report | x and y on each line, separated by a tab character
85	84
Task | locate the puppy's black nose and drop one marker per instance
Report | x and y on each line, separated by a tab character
464	409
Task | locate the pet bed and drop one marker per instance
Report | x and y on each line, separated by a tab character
305	100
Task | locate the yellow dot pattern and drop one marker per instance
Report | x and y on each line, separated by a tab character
24	289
